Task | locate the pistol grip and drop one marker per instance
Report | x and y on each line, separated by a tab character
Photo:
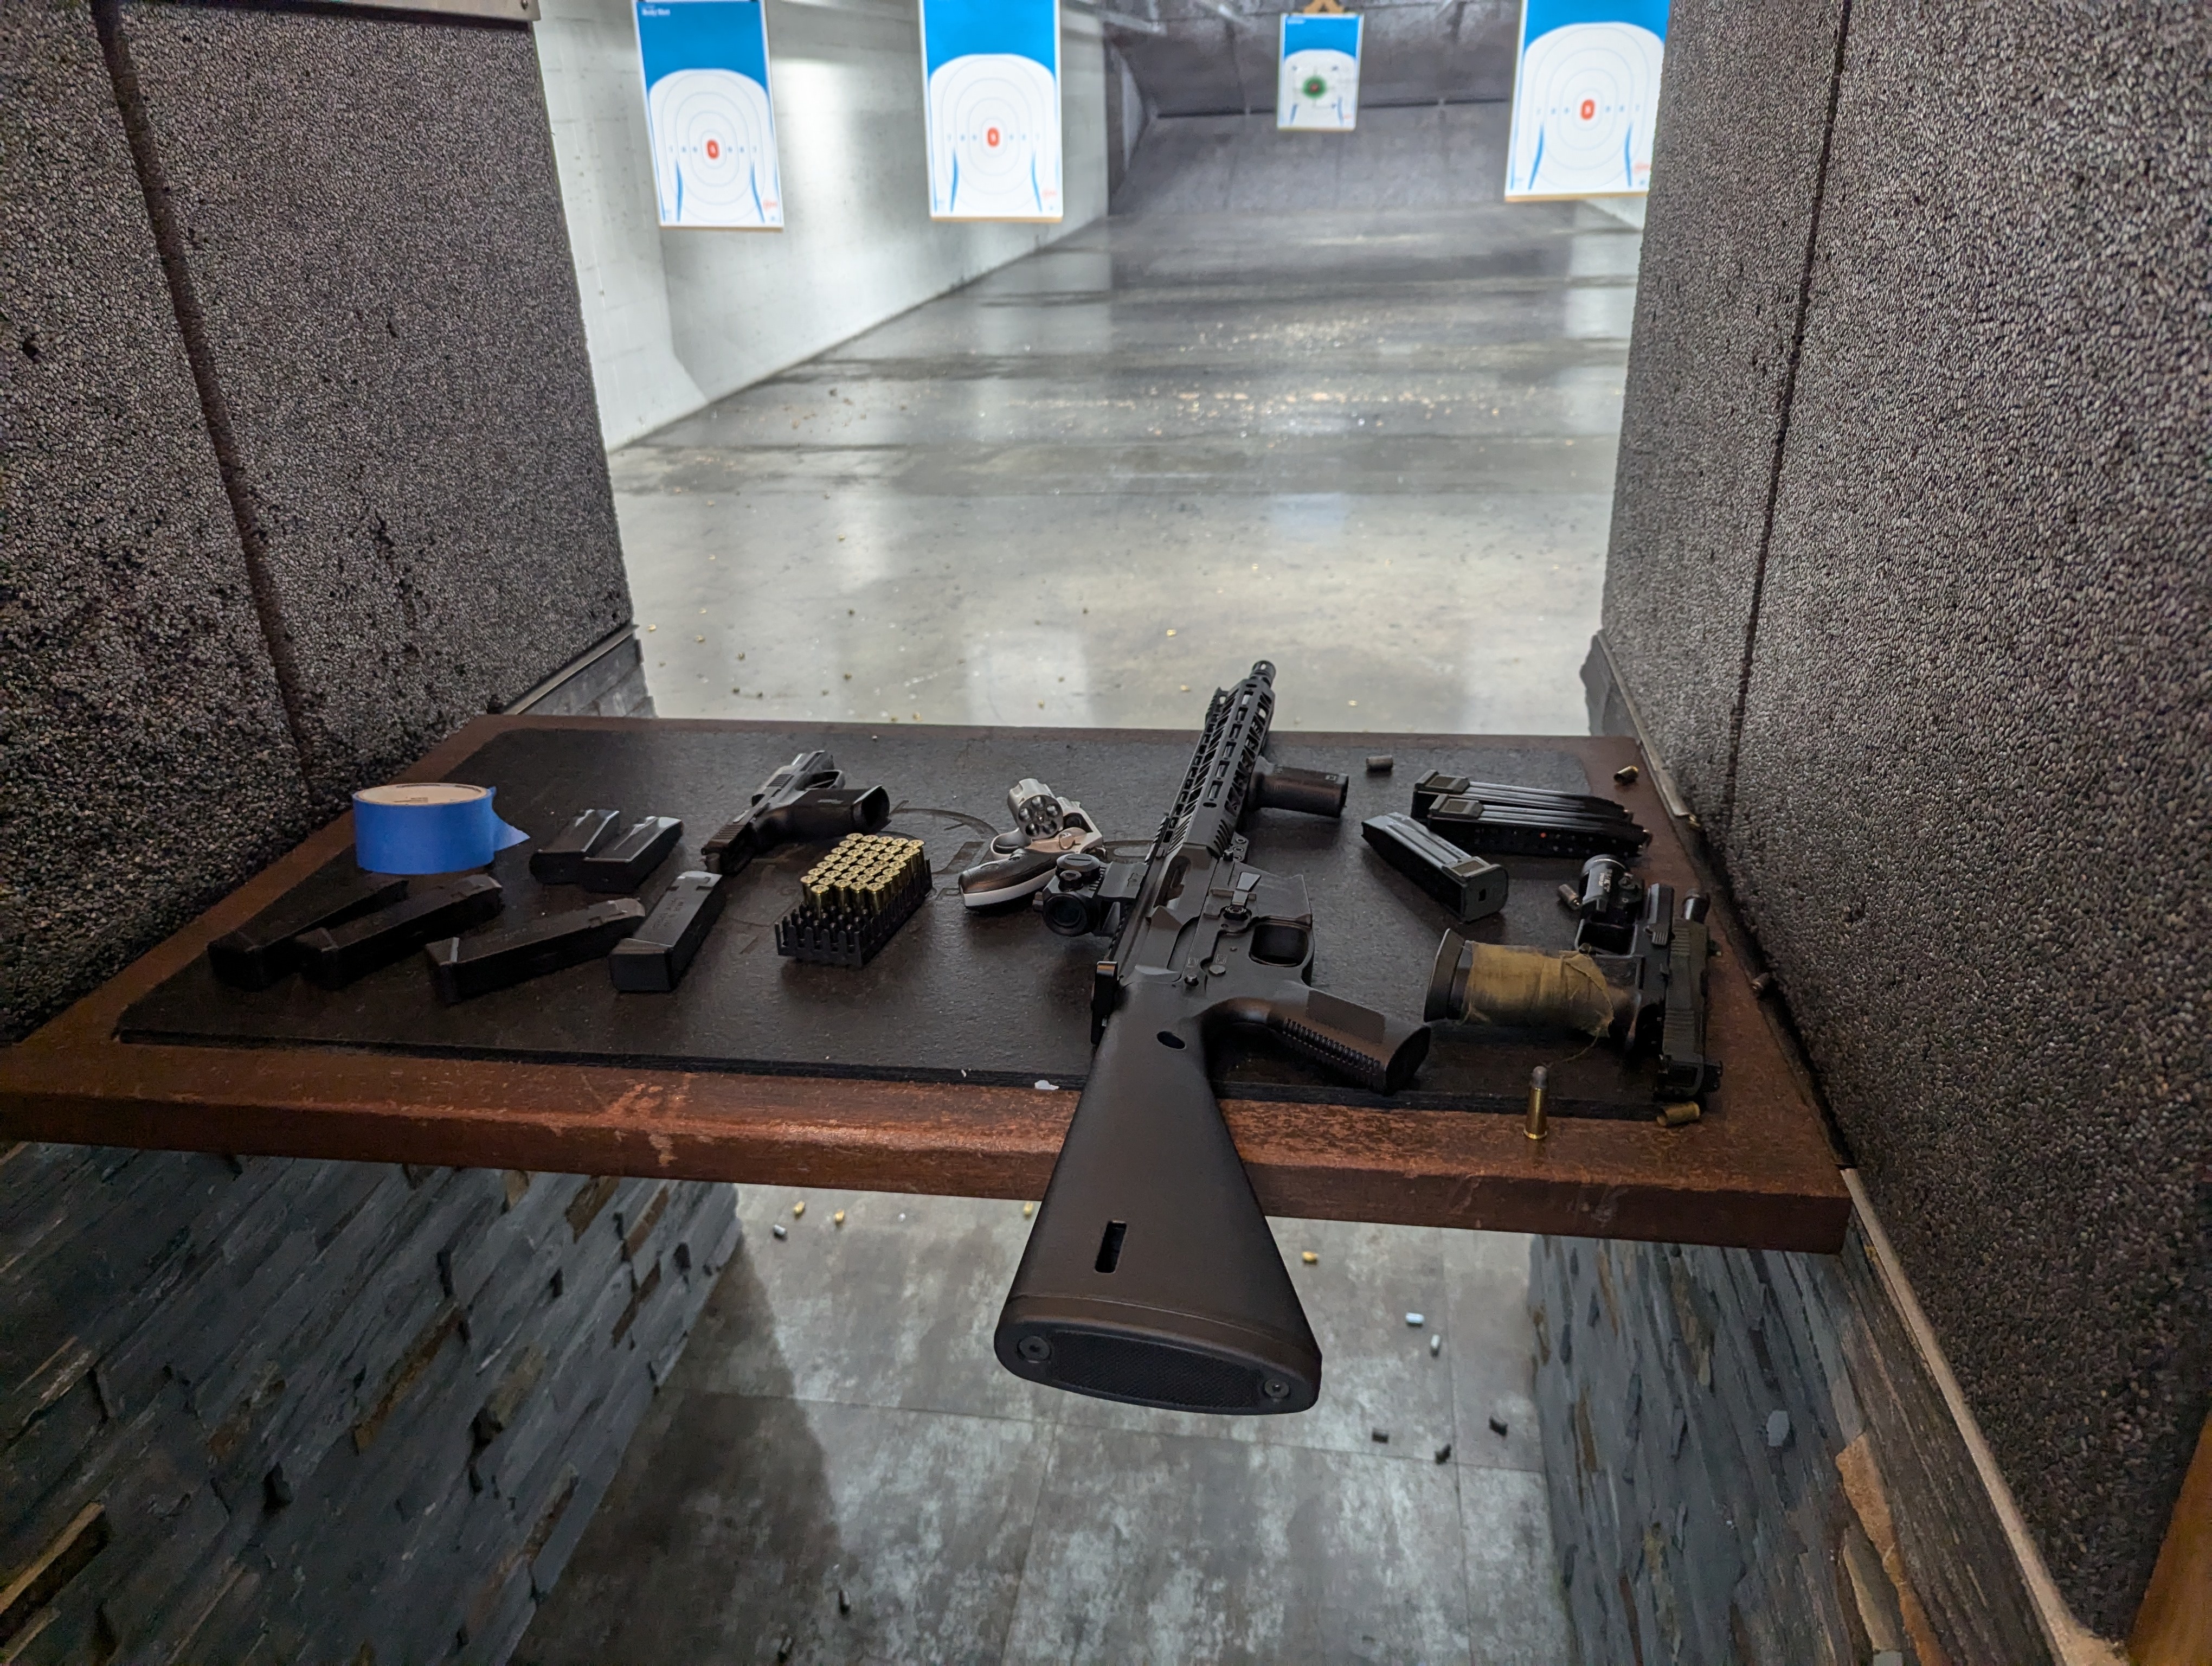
1378	1052
1496	983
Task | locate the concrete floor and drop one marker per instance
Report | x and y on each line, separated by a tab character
1377	448
837	1424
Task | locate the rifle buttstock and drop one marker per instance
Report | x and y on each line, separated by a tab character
1150	1276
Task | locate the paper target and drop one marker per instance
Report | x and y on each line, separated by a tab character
994	139
708	115
1583	108
713	150
1317	88
991	98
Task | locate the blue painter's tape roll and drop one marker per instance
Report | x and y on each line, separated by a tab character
427	827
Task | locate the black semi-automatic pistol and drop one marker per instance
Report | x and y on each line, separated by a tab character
1635	977
807	798
1150	1276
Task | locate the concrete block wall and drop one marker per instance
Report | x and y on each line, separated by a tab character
1912	582
254	1409
1127	116
678	318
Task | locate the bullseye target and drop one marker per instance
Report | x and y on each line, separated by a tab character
715	150
992	98
1317	87
708	113
1583	108
994	141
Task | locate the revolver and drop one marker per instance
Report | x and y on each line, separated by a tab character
1047	827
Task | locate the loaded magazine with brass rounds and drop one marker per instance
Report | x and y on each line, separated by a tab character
856	898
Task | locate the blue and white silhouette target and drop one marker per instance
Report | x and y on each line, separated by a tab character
992	104
708	113
1585	98
1317	90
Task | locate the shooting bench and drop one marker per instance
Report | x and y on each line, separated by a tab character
950	1063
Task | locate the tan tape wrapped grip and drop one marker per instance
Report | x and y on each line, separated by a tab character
1535	988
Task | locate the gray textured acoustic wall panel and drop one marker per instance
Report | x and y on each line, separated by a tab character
376	236
1742	110
145	767
1972	819
1982	655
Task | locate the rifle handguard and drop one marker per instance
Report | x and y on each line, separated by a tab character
1476	983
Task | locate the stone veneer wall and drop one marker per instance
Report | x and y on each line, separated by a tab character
269	1410
1750	1464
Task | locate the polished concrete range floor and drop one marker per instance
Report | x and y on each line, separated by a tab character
839	1470
1374	447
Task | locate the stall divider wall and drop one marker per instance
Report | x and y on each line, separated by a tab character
293	375
1911	584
